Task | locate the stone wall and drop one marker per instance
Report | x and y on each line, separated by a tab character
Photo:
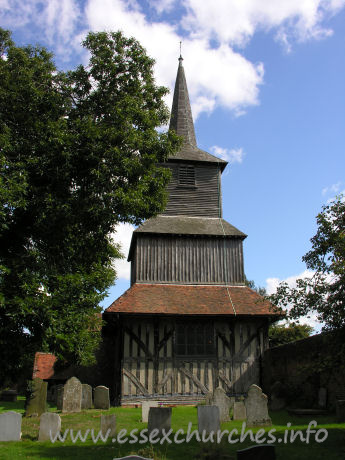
305	366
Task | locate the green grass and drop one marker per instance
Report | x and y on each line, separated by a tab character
29	448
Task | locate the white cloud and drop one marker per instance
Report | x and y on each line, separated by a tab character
123	237
271	287
217	74
334	188
230	155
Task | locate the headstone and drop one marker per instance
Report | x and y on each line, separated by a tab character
277	399
208	399
37	402
86	396
59	397
208	419
263	452
71	401
256	407
340	410
108	422
50	426
145	407
239	411
322	397
159	417
101	397
10	426
9	396
224	403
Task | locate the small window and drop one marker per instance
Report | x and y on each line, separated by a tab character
186	176
196	340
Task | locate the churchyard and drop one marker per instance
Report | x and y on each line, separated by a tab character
125	418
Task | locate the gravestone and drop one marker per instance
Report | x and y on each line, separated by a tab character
159	418
9	396
101	398
263	452
239	411
224	403
37	402
256	407
50	426
10	426
277	399
108	422
322	397
71	400
208	419
86	396
59	397
208	399
145	407
340	410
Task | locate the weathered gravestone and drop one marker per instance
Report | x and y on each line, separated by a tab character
159	418
208	419
101	397
277	400
36	403
50	426
59	397
10	426
256	407
108	422
86	396
224	403
145	407
322	397
239	411
71	400
340	410
263	452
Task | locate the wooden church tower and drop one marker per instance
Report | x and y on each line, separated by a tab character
188	323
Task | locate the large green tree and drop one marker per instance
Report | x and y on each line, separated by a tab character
324	292
79	153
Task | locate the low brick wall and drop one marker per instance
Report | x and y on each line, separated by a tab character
305	366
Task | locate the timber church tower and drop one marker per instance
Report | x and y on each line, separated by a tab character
188	323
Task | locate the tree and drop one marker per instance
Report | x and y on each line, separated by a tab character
79	153
324	292
282	334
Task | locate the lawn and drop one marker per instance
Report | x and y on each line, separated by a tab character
29	448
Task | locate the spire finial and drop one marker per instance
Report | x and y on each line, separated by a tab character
180	58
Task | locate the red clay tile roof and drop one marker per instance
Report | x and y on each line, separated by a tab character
43	365
191	300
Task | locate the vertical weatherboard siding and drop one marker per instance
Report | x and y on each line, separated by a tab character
203	199
196	260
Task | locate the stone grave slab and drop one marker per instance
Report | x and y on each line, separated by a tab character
59	397
263	452
101	397
50	426
208	419
37	402
277	400
145	407
239	411
10	426
132	457
86	396
71	401
159	418
108	422
220	399
256	407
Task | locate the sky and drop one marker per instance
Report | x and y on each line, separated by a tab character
266	80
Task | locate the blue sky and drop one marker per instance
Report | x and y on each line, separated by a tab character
267	86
